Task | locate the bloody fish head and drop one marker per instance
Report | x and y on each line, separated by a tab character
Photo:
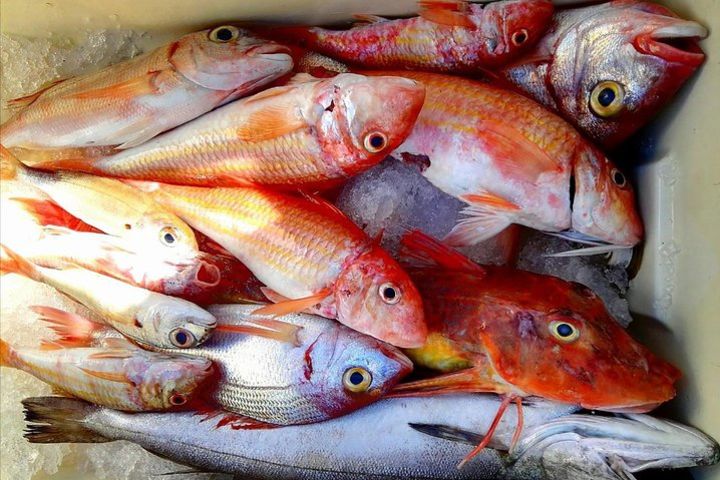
166	381
603	201
616	64
227	58
366	118
513	26
375	296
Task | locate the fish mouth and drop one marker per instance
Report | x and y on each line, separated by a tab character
595	245
269	51
677	42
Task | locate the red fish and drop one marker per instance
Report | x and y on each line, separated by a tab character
448	36
519	334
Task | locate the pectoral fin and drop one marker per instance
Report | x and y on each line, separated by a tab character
486	216
293	306
452	13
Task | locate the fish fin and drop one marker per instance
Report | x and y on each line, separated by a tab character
327	208
273	120
241	422
130	89
22	102
120	343
109	376
49	345
452	13
266	328
486	216
293	306
111	353
145	133
419	246
9	164
468	380
85	164
11	262
302	77
364	19
72	329
447	432
7	354
59	420
507	400
47	212
59	391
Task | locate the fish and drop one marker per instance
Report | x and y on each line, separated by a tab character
610	68
107	205
328	370
145	316
311	134
128	379
518	334
447	36
128	103
307	253
513	162
392	439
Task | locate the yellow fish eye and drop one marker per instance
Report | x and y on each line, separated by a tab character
607	99
169	236
224	34
389	293
375	142
357	380
182	338
564	331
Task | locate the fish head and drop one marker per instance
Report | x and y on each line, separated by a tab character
615	65
512	27
603	201
170	322
365	118
170	382
375	296
593	447
229	58
555	339
352	369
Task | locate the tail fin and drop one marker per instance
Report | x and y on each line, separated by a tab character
415	245
73	330
11	262
9	164
59	420
6	354
78	159
47	212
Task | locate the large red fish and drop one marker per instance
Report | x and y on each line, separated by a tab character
519	334
609	68
448	36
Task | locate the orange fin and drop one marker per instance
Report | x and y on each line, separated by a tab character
9	164
11	262
72	329
272	120
234	420
266	328
117	343
6	354
463	381
486	216
133	88
85	165
327	208
295	305
59	391
47	212
364	19
507	400
22	102
418	246
110	376
449	13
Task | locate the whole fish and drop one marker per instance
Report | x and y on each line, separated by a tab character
609	68
128	103
126	378
308	254
384	441
453	36
512	161
329	370
108	205
516	333
310	133
145	316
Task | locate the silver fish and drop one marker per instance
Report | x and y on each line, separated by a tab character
377	441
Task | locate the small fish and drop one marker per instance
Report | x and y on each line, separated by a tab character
308	253
107	205
327	371
309	133
392	439
128	103
448	36
609	68
516	333
126	378
145	316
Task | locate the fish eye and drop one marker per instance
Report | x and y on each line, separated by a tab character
618	178
389	293
607	99
181	338
519	37
224	34
357	380
168	236
178	399
564	331
375	142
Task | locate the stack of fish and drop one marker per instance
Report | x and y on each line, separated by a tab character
184	200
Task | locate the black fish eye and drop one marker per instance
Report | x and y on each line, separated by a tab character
181	338
519	37
168	236
564	330
618	177
375	142
389	293
356	378
224	34
606	97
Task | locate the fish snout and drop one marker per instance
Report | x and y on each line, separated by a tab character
675	41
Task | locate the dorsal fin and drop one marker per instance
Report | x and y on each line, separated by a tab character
415	245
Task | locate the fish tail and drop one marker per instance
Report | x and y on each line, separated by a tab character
73	330
10	166
7	354
59	420
49	213
11	262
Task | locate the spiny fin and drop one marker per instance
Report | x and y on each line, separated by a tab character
486	216
463	381
11	262
418	246
326	207
293	306
22	102
272	120
130	89
110	376
72	329
364	19
266	328
241	422
447	432
59	420
452	13
47	212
